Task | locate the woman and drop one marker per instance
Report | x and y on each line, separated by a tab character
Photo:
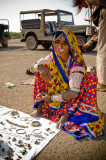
68	97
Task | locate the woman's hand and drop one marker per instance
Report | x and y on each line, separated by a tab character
69	95
94	38
46	97
44	73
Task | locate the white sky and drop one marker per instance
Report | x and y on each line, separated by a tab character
10	9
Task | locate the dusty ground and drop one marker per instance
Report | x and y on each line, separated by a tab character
14	60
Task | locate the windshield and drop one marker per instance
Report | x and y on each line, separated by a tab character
66	17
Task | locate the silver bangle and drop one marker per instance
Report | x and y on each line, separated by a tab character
57	98
18	131
36	124
51	97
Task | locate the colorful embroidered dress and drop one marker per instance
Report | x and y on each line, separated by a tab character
86	118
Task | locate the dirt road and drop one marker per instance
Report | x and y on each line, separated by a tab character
14	60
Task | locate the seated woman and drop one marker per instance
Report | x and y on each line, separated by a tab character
63	91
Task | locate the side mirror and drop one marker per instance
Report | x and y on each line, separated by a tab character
88	31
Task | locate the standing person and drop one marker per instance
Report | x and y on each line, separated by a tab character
67	94
98	8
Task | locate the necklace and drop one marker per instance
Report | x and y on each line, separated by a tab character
15	124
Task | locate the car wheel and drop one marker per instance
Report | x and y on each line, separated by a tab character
31	42
46	45
81	40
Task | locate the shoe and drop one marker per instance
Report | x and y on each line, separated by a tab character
101	87
29	72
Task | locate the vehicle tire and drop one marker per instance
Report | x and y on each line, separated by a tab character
6	41
31	42
93	46
46	45
81	40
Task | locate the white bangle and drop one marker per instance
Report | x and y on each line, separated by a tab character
57	98
89	42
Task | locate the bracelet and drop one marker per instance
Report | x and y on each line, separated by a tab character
51	97
89	42
57	98
35	123
35	131
18	131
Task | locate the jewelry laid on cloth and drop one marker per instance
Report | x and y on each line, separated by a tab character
15	124
10	129
49	130
39	136
14	139
36	131
24	152
20	131
11	134
27	136
26	119
2	123
21	142
37	142
36	124
15	114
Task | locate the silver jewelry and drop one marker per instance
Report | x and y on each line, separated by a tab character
49	130
35	123
26	119
34	131
15	124
15	114
20	131
57	98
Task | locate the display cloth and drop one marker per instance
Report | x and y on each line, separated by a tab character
22	136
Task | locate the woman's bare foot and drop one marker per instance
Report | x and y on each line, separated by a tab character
37	111
62	120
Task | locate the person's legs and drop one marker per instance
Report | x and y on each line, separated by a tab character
101	56
62	120
37	111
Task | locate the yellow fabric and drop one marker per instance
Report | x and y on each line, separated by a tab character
99	125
